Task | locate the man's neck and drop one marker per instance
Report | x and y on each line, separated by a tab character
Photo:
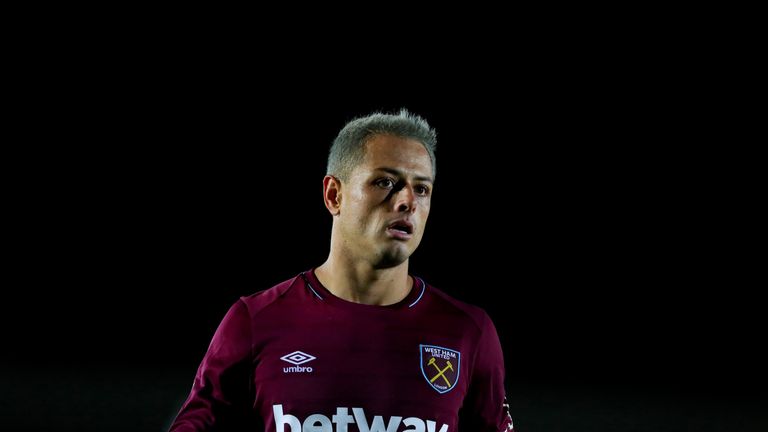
361	283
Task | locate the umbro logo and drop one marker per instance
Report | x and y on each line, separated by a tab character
297	358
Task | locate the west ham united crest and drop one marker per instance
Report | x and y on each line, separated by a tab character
440	367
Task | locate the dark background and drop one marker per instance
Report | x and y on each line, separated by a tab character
599	232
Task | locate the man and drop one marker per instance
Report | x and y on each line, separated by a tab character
357	344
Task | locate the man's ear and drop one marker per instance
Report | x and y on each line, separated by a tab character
332	194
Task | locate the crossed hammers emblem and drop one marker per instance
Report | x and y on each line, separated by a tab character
440	372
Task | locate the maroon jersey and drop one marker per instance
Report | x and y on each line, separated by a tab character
296	358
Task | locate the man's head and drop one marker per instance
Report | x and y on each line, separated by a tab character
348	148
379	187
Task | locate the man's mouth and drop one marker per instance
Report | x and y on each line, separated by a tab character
400	229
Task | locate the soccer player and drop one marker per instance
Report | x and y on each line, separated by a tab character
357	343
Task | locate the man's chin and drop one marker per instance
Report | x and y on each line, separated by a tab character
392	258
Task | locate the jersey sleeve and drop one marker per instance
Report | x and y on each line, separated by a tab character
485	408
221	389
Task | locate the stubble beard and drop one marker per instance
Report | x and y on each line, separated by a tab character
392	256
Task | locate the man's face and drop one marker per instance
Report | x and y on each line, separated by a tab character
385	203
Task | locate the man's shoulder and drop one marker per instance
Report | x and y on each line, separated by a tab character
446	301
260	300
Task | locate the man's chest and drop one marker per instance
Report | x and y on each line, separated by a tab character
392	371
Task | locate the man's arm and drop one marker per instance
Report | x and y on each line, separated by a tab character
485	407
222	389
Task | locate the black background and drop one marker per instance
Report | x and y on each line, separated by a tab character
583	214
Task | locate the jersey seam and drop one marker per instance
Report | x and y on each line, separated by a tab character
475	354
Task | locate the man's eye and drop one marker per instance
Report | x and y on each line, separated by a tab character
385	183
421	190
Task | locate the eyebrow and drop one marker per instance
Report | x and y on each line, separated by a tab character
400	174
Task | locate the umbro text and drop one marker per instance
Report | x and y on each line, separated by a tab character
297	369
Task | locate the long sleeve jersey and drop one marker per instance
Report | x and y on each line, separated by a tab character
296	358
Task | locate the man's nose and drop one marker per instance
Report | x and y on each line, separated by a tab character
405	200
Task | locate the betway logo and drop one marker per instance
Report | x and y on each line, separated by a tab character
342	419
